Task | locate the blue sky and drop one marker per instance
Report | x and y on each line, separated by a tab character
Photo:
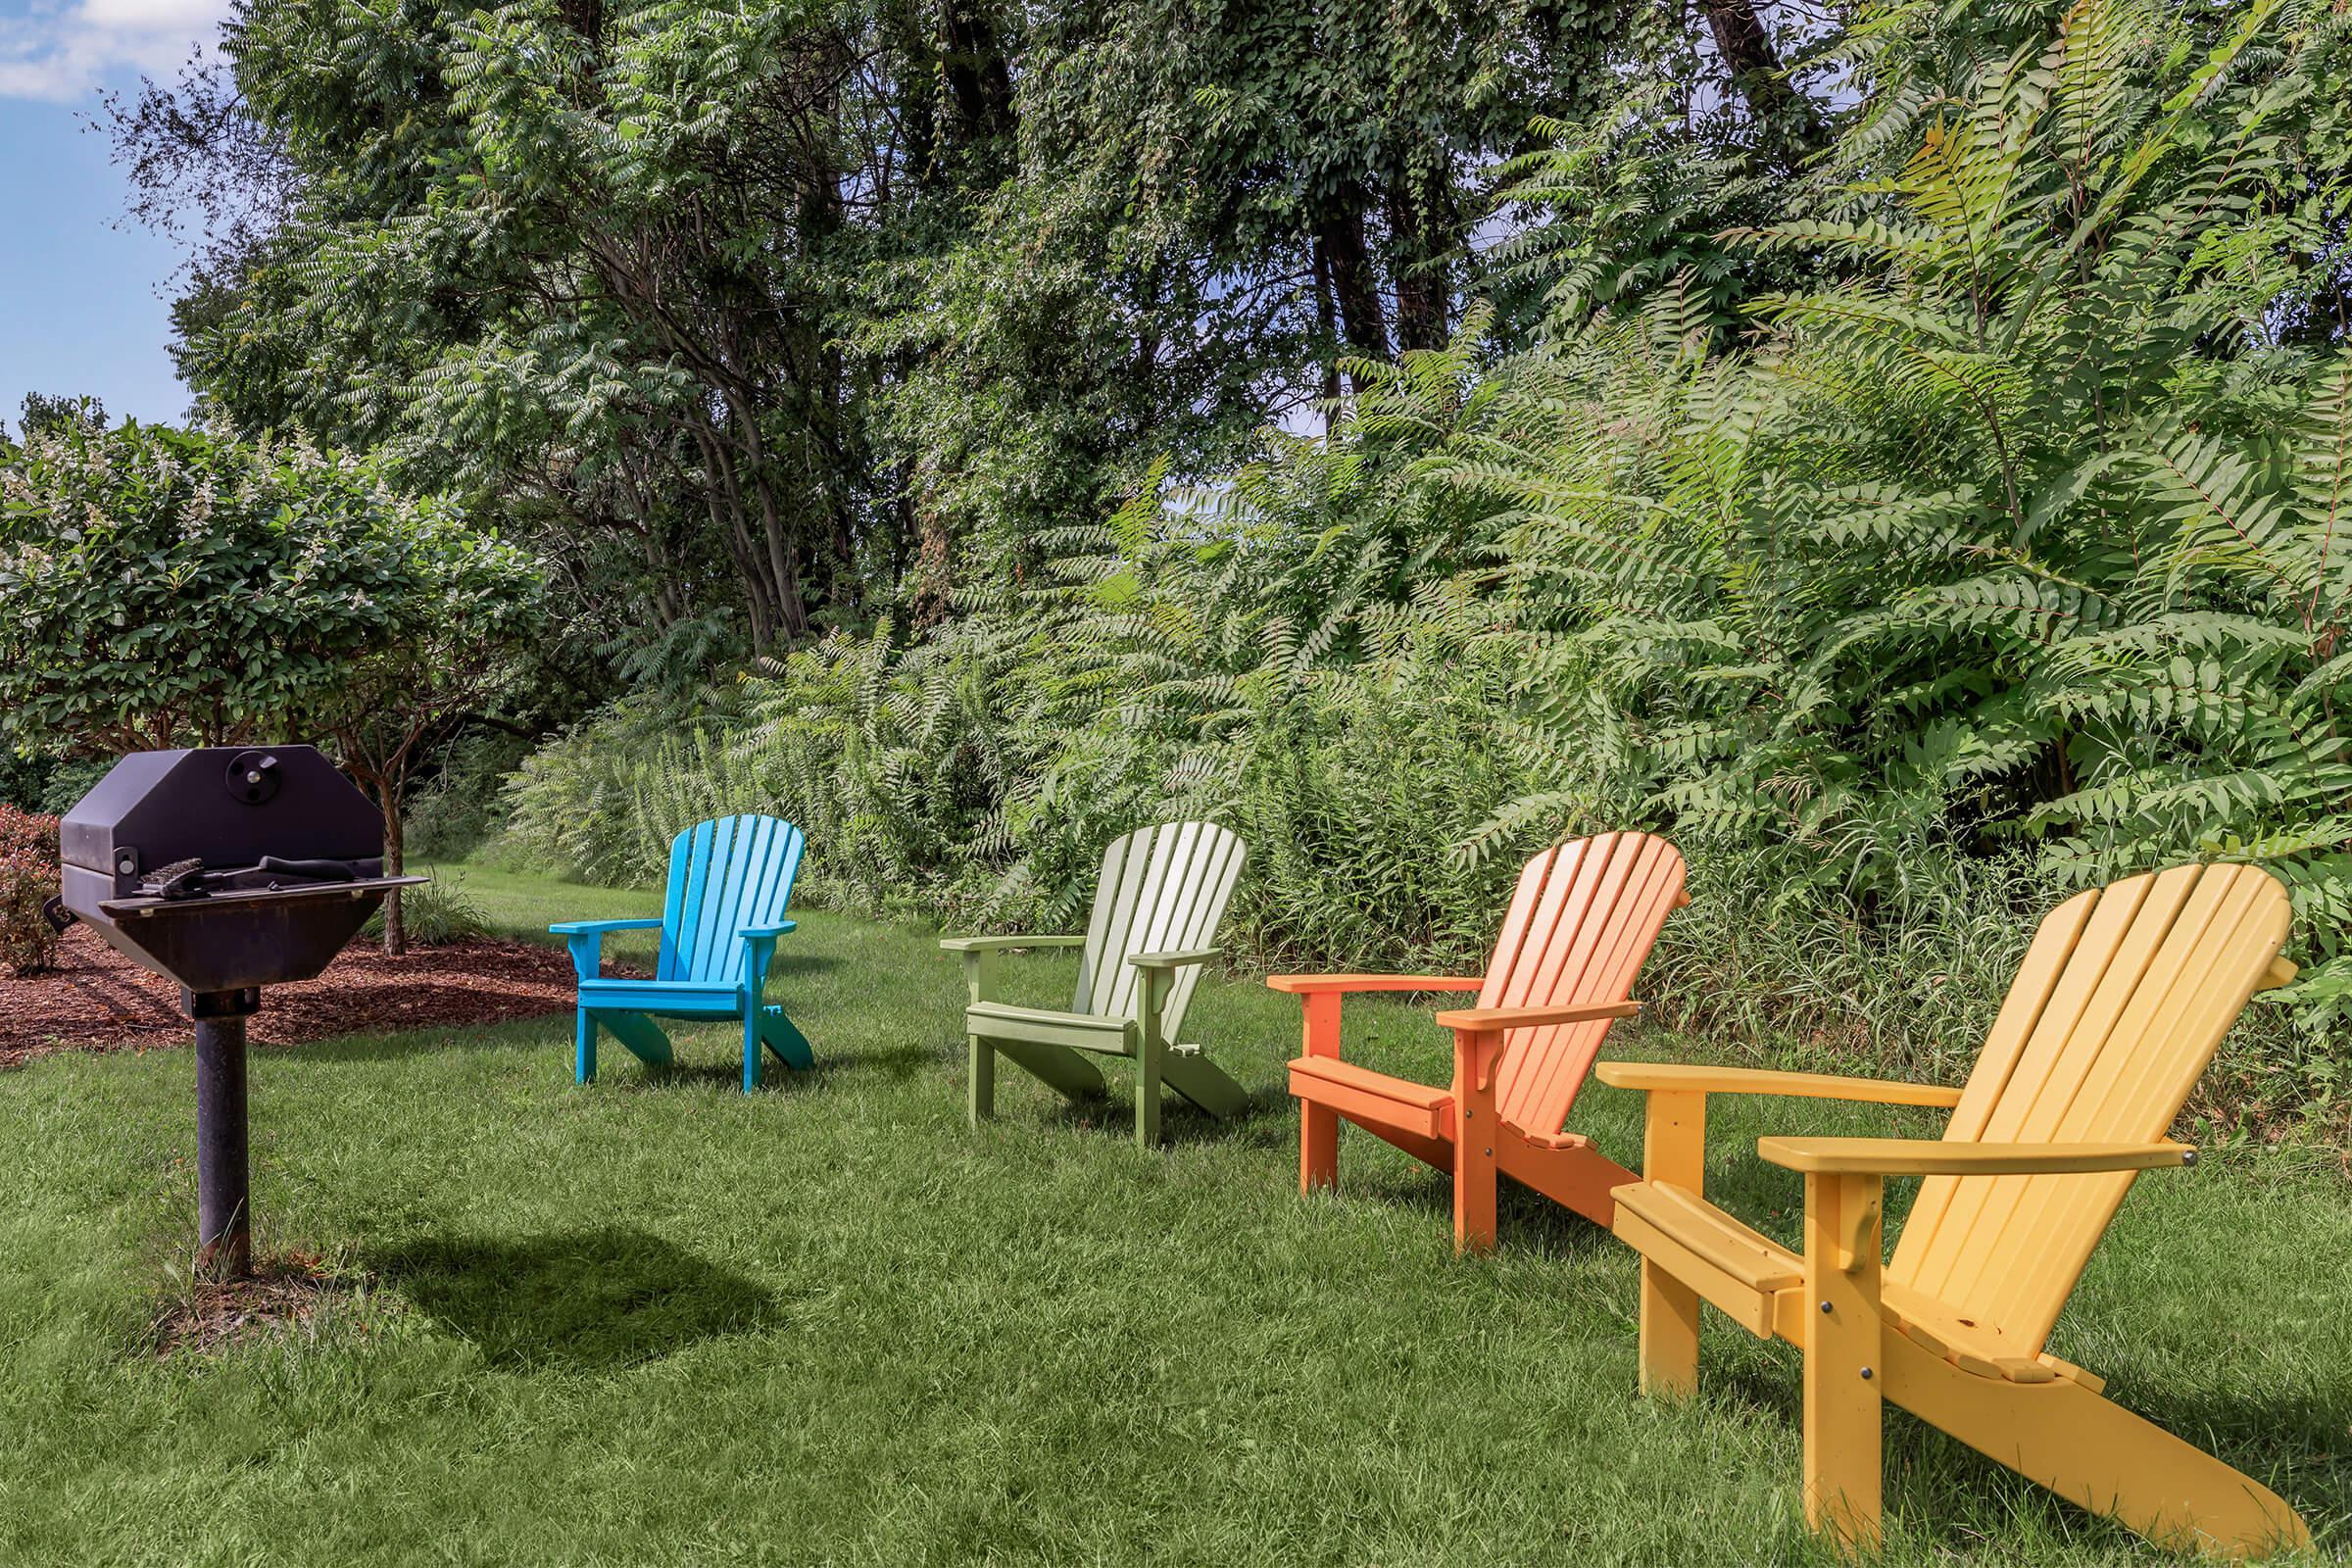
80	304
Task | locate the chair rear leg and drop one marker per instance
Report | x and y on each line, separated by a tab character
782	1035
2097	1455
1187	1072
643	1037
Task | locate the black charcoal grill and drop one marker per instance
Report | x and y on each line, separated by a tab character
226	868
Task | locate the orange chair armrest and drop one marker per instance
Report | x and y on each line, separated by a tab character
1477	1018
1690	1078
1926	1156
1309	985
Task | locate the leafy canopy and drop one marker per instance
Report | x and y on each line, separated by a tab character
163	587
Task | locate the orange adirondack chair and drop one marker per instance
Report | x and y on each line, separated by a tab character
1581	923
2116	1010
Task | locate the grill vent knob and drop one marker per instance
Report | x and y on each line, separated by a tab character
253	778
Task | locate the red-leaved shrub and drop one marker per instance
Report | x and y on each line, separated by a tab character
27	880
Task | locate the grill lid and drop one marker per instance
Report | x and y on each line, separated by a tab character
225	805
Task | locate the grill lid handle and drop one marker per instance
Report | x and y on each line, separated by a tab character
313	870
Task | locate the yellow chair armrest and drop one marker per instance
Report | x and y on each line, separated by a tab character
1686	1078
1925	1156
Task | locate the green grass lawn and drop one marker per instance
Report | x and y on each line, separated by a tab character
656	1321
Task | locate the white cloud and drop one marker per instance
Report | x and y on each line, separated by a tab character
62	52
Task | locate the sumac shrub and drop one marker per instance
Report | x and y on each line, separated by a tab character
27	879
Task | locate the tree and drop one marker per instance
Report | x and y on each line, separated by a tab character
770	318
163	587
47	411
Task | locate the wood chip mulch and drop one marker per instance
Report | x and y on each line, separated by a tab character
97	999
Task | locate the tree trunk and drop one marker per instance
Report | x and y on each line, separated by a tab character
1788	122
1339	241
972	56
1330	344
1423	293
387	800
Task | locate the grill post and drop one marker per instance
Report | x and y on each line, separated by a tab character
224	1172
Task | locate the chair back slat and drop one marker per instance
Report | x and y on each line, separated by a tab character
2122	997
725	875
1163	889
1582	920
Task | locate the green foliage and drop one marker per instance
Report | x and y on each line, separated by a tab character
1991	549
2028	533
437	915
461	808
162	587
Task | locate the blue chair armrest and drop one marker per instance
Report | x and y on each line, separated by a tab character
586	939
759	949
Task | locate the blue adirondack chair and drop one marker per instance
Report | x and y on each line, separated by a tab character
729	882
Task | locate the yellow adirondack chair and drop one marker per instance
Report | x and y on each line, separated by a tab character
2117	1009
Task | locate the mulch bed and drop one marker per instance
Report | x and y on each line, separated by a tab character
97	999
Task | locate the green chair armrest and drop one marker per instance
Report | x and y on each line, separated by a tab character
1174	961
1000	944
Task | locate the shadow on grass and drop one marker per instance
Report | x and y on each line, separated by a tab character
1259	1124
591	1299
720	1067
527	1032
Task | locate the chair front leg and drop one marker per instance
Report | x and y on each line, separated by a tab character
1319	1125
979	980
587	962
1476	1055
1674	1149
756	951
1148	1051
1843	1360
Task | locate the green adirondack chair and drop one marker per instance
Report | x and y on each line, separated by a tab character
729	883
1156	908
